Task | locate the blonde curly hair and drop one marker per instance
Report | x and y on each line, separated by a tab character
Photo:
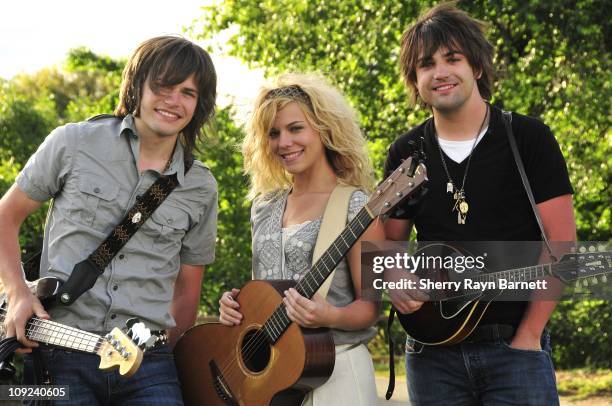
328	113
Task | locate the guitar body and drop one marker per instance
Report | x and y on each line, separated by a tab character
431	325
215	369
445	322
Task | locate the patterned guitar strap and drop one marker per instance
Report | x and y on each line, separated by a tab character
86	272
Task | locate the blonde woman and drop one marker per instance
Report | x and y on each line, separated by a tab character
302	140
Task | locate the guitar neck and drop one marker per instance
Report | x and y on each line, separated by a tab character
59	335
276	325
525	274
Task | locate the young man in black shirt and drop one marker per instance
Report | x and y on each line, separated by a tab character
476	194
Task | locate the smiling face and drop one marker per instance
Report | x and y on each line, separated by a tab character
295	142
165	110
445	80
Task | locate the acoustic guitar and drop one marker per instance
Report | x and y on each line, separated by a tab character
268	359
453	318
115	349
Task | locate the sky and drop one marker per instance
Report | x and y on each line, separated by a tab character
39	33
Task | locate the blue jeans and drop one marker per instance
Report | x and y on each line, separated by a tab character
154	383
482	373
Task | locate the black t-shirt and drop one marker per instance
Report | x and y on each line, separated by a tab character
499	209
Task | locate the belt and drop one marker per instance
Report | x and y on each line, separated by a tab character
161	338
491	332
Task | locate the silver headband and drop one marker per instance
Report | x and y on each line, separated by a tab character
292	92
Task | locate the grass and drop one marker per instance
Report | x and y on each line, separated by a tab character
583	383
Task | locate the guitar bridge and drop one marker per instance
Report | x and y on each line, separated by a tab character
221	387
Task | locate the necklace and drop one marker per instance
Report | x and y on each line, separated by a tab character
461	204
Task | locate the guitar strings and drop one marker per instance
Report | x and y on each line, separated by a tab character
67	334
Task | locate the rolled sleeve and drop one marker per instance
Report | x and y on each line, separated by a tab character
44	174
198	247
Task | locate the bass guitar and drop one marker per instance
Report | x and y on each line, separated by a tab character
454	318
268	359
115	349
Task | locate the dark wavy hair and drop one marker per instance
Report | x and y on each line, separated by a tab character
168	61
447	26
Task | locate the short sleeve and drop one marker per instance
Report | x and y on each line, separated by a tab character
544	163
198	245
44	174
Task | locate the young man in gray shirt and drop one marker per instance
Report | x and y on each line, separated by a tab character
95	171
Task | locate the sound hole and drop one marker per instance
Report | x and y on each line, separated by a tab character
255	351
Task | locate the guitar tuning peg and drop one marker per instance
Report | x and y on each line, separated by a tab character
594	280
582	249
604	279
591	248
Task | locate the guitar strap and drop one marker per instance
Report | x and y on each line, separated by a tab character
86	272
507	120
334	221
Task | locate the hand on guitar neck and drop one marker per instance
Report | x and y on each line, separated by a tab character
22	305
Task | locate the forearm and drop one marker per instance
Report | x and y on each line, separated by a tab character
184	311
357	315
540	308
11	274
186	299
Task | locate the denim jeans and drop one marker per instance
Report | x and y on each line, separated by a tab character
154	383
481	373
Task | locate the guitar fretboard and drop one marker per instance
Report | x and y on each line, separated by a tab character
276	325
525	274
50	332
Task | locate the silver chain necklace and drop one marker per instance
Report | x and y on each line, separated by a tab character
461	204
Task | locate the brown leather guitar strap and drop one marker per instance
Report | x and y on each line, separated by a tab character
507	120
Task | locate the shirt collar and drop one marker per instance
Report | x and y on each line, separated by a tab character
177	165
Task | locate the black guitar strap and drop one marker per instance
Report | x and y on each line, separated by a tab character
391	386
507	120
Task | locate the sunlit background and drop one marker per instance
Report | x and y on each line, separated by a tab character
37	33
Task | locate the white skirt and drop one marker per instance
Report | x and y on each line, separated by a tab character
351	383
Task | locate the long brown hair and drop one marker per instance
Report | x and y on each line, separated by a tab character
447	26
168	61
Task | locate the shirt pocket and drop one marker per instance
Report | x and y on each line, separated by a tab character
96	206
166	228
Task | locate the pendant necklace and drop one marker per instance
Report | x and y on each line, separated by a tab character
461	204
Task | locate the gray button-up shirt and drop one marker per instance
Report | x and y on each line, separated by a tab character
90	170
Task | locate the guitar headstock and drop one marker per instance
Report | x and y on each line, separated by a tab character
588	264
406	179
117	350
